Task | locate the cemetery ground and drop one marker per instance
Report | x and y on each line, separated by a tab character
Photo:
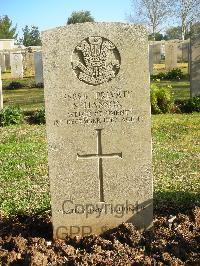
25	225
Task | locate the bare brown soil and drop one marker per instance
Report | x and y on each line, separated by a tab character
174	241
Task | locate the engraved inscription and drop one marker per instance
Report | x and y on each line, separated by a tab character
99	107
99	155
96	60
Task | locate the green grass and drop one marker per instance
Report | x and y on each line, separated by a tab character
161	68
181	89
24	172
30	99
23	169
23	155
176	149
26	98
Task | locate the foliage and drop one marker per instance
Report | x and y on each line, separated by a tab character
153	13
24	171
176	33
11	115
161	99
14	85
173	33
38	85
7	31
157	37
80	17
186	12
38	117
31	36
189	105
174	74
175	159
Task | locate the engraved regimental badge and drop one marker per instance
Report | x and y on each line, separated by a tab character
96	60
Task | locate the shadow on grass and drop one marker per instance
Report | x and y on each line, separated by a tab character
38	225
172	203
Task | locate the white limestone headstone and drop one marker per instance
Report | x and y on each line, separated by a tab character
97	105
150	59
170	55
7	60
195	62
38	67
2	62
156	52
16	65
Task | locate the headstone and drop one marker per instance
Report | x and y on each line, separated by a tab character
7	60
28	62
156	53
96	78
179	52
185	51
7	44
162	51
170	55
2	62
195	62
38	68
151	59
1	92
16	65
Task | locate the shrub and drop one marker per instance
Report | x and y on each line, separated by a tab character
161	99
38	117
189	105
161	75
175	73
14	85
11	115
39	85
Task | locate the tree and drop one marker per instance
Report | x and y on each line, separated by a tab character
7	31
173	33
80	17
153	13
157	37
31	36
187	12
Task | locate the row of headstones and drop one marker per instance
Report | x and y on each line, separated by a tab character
172	52
190	54
17	63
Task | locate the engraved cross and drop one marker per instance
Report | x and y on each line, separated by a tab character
100	156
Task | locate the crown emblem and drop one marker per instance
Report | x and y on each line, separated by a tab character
96	60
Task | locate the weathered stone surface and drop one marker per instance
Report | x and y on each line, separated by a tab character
38	67
7	60
185	51
151	59
2	62
195	62
7	44
16	65
170	55
28	62
156	46
96	78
